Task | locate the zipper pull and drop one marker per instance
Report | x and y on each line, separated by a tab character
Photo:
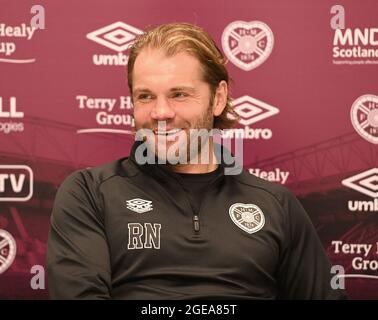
196	223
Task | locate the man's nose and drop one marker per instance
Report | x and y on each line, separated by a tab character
162	110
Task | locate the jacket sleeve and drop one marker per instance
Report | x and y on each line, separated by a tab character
77	254
305	270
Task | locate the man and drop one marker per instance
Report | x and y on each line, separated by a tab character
168	227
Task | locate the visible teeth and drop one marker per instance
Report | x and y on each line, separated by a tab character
167	133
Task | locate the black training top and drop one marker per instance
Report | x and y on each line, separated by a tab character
130	231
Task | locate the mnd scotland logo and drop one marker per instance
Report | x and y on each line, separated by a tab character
355	46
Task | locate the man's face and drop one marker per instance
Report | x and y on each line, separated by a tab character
170	90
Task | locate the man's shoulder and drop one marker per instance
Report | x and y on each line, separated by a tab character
95	176
105	171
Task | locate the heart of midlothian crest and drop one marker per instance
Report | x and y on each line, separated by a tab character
247	44
247	217
364	117
7	250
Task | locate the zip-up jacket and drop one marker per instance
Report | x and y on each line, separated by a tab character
129	231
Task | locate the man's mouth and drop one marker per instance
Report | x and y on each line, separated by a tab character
167	133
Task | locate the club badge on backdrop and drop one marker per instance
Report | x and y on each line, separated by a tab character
364	116
8	250
247	44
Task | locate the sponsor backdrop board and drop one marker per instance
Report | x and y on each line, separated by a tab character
305	86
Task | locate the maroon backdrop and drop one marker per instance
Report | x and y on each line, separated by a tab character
309	116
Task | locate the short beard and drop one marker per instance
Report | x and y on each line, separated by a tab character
194	149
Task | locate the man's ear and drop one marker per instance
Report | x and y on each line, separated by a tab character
220	98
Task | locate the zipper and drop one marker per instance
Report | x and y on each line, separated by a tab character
196	223
196	220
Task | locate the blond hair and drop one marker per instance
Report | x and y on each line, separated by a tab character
179	37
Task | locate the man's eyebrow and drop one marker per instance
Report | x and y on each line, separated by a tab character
182	88
174	89
139	90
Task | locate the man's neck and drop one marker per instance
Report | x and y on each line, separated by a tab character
194	168
212	164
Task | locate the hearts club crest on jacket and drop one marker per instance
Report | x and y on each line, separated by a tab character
247	217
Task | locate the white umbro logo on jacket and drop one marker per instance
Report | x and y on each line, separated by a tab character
139	205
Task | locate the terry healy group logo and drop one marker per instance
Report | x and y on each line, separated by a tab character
16	183
364	116
366	183
11	36
247	44
276	175
251	111
363	257
110	114
117	36
7	250
10	117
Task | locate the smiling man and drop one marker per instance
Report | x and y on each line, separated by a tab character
177	98
173	228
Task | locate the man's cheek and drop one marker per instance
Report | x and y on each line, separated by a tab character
140	118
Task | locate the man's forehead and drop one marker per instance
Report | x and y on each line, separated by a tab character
157	59
161	53
153	67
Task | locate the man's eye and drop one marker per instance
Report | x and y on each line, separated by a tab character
180	95
144	97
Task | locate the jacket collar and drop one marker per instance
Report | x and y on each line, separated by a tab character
166	181
162	171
